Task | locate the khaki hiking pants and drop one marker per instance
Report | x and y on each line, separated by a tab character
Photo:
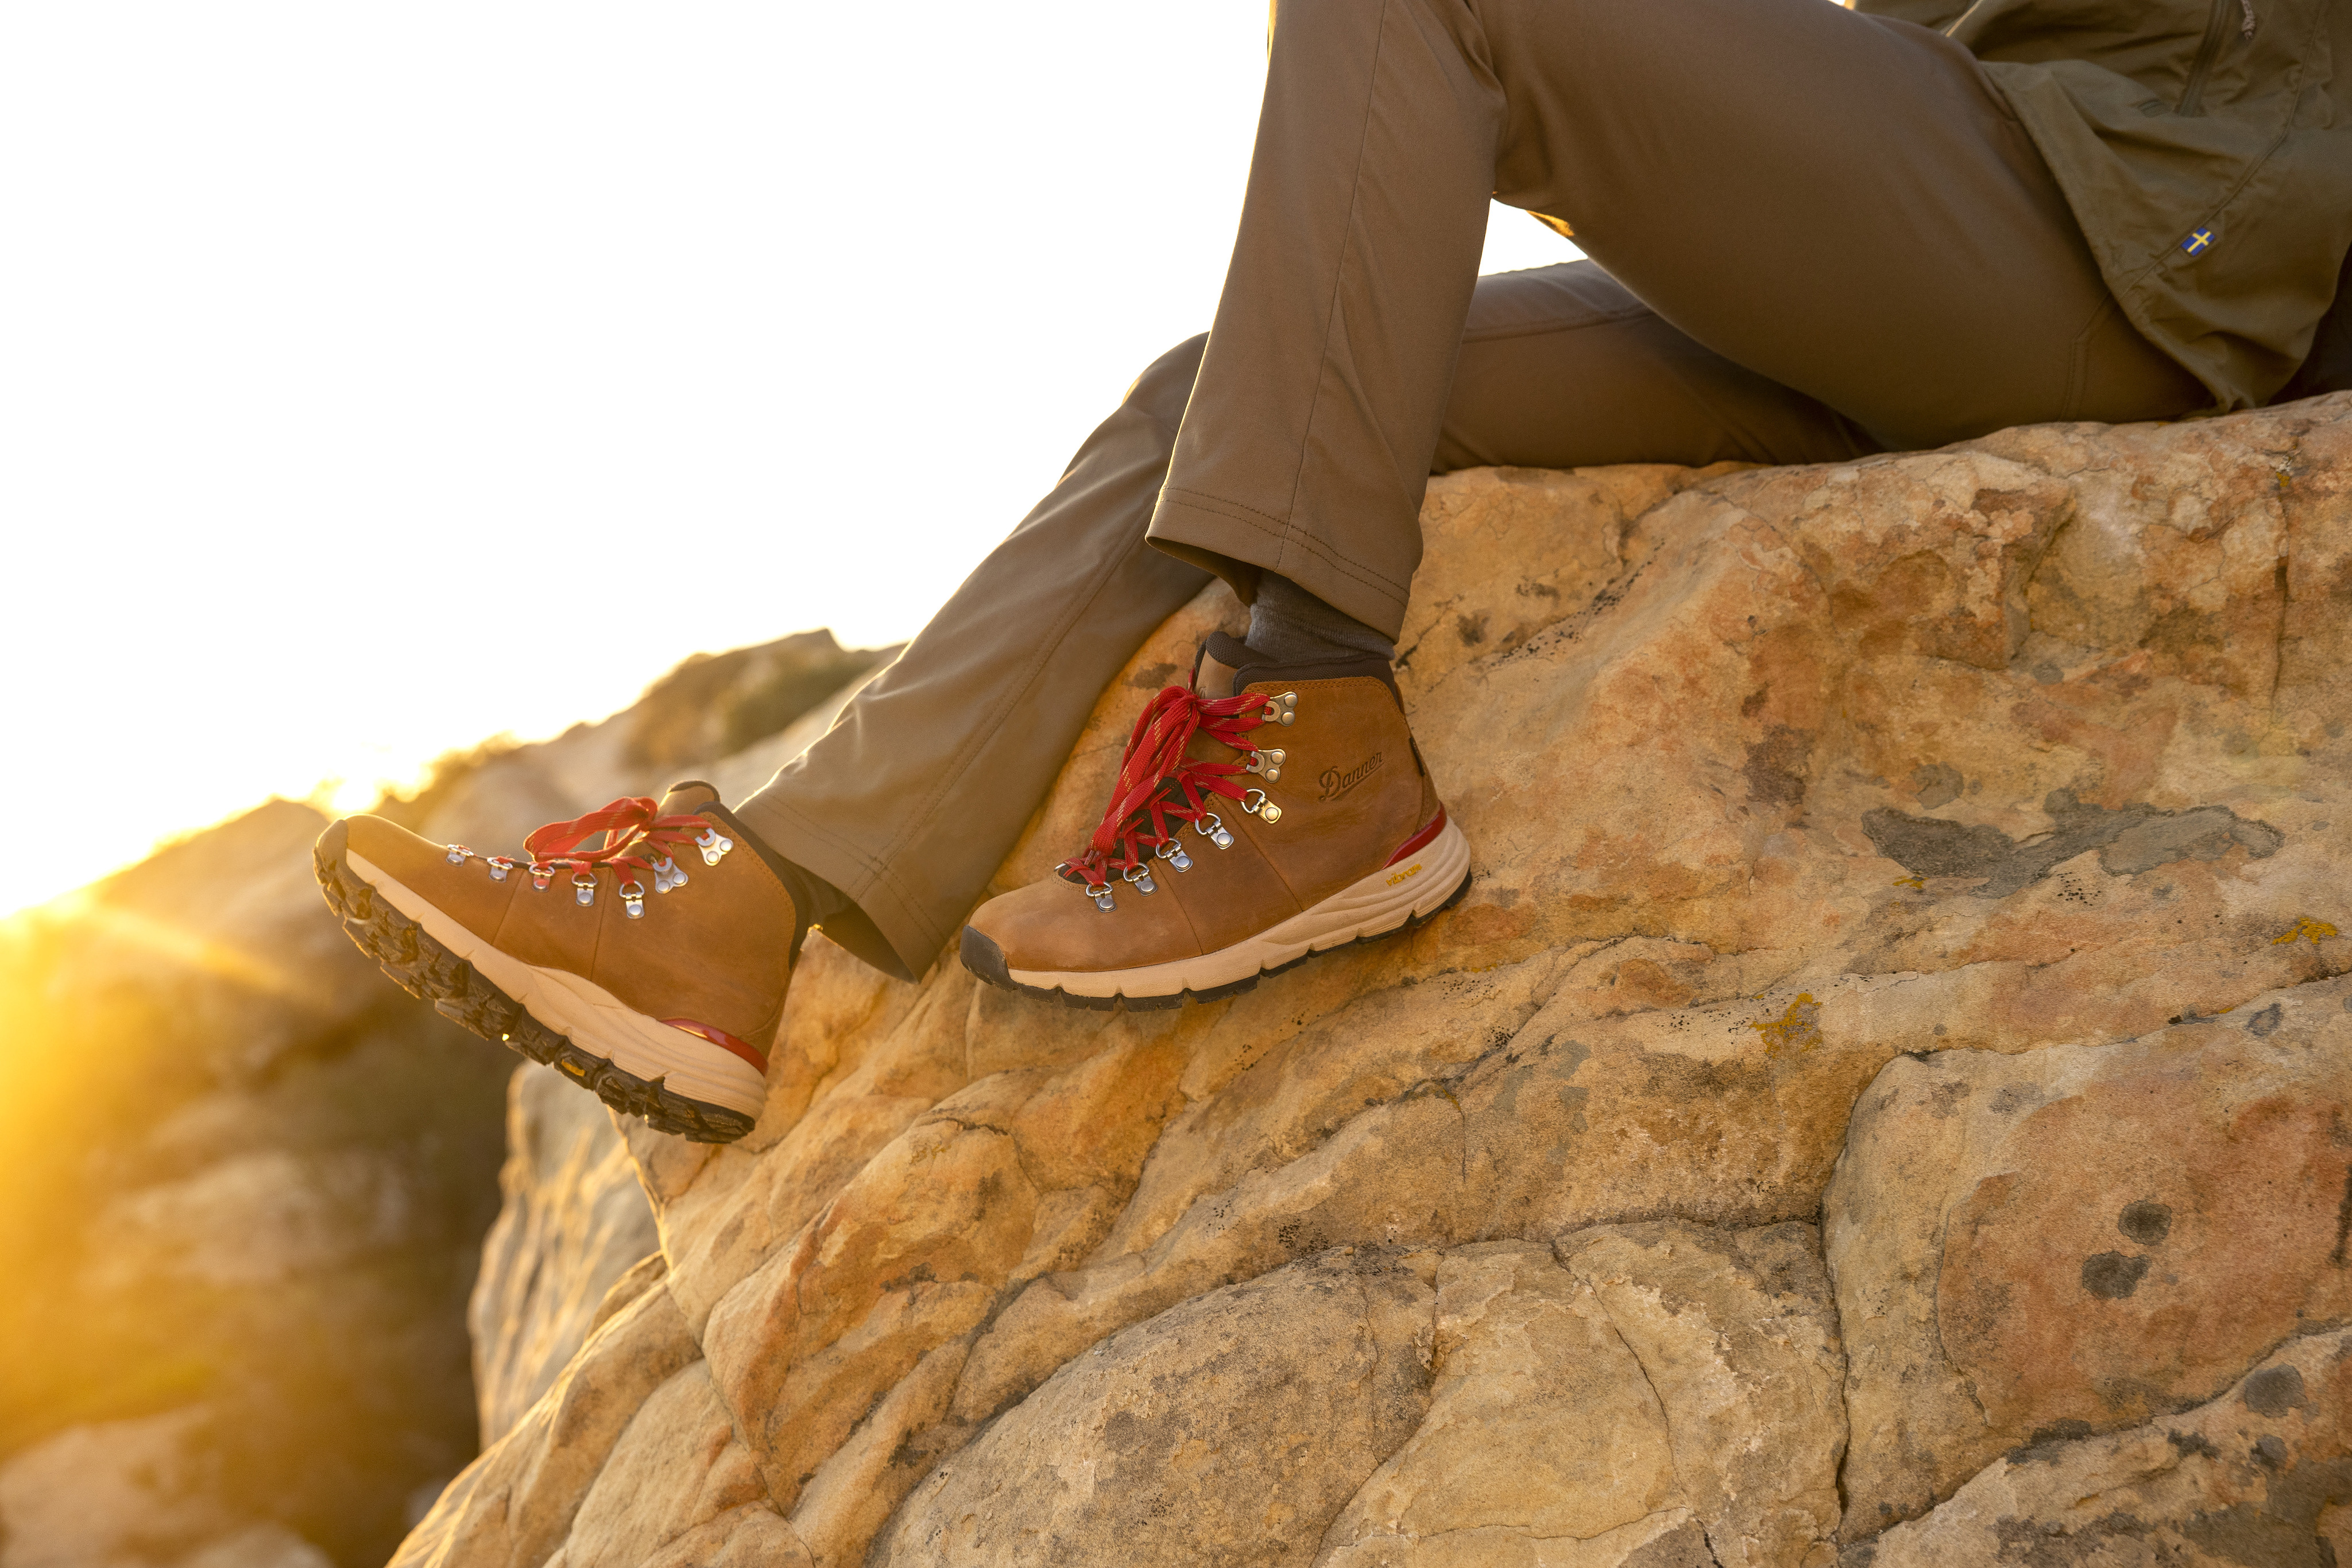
1814	235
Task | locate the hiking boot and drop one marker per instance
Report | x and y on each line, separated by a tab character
595	951
1265	814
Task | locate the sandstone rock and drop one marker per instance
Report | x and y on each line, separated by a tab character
575	1221
1223	1432
111	1492
2075	1239
1655	1390
2016	764
1541	1430
642	1501
143	1493
247	1183
516	1504
2262	1474
259	1546
1736	1333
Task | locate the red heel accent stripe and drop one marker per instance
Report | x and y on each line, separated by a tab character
1420	840
722	1040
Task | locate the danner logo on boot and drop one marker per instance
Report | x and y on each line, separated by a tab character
1337	783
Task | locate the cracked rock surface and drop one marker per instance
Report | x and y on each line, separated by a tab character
1884	1098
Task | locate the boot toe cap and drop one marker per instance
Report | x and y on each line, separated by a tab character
376	850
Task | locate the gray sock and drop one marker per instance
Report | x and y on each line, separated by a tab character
1291	626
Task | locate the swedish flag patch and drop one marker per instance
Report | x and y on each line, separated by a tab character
2201	240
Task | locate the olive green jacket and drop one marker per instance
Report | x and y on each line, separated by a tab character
2205	148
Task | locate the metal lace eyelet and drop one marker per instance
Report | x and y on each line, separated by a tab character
633	904
713	845
1266	763
1212	827
541	876
1100	893
583	888
499	865
1283	709
459	854
1255	802
1173	853
1139	877
667	875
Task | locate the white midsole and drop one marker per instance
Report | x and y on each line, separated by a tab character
597	1021
1379	903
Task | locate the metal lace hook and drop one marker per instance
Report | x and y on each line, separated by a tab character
1255	801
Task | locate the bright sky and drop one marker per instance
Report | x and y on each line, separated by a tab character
375	379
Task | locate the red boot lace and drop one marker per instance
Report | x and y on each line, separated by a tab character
1159	789
630	822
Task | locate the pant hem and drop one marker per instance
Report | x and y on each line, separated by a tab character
1218	528
864	883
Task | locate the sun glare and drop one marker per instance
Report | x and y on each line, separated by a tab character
414	428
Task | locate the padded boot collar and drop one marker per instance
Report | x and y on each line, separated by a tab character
1225	664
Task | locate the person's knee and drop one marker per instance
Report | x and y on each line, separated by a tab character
1166	384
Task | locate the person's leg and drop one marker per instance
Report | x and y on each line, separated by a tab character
909	803
1839	203
1561	367
1333	829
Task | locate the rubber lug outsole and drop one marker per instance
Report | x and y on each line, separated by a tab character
984	958
430	972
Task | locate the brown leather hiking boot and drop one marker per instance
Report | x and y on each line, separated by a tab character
658	989
1266	814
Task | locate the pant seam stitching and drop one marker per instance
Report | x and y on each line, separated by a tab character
1339	273
2078	361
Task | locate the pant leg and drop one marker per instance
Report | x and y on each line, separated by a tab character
1838	202
909	803
1561	367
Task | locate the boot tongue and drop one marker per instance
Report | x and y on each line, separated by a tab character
686	799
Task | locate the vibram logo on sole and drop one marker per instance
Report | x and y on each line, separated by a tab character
1408	871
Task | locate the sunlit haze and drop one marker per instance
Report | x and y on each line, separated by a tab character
377	378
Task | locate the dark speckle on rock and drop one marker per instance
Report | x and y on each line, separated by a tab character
2274	1391
2043	1447
2130	841
2269	1450
2112	1276
1152	677
2265	1023
1939	784
2187	1443
2015	1097
2147	1222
